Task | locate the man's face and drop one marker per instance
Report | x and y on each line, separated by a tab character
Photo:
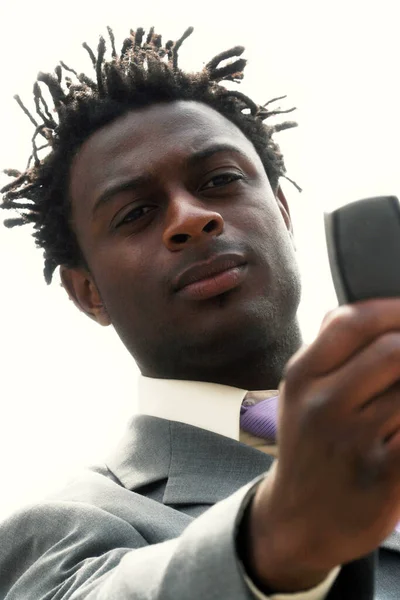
188	248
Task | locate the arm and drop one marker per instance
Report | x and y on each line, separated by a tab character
317	592
334	497
335	493
77	551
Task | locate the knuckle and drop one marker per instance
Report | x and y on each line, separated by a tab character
355	321
370	466
320	404
294	368
388	348
327	317
343	319
334	316
316	405
290	368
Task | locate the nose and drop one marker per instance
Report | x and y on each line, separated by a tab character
188	222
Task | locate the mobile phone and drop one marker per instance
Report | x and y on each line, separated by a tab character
363	241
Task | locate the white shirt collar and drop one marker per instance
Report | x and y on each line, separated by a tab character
209	406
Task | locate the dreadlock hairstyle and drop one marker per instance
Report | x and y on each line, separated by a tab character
144	73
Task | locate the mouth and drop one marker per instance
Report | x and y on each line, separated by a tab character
211	278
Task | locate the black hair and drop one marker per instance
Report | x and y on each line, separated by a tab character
145	72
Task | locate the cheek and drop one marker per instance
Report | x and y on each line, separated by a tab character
123	275
270	239
263	222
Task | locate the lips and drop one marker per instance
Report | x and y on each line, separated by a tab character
212	277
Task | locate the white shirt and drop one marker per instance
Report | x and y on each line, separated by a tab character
211	406
216	408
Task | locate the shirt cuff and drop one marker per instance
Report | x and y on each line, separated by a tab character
317	593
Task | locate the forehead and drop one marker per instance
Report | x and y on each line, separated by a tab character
143	141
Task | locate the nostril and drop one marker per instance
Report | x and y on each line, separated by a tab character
180	238
196	230
211	226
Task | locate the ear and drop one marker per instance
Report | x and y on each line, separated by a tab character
284	208
83	292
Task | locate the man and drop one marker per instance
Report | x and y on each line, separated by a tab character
160	201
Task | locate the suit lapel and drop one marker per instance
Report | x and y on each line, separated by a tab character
143	455
200	467
196	466
207	467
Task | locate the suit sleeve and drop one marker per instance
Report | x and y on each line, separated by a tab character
76	551
318	593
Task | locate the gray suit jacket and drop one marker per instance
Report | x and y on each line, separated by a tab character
159	521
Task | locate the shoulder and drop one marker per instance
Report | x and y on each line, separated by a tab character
86	507
77	528
92	511
83	529
47	544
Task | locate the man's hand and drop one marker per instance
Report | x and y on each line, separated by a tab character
335	493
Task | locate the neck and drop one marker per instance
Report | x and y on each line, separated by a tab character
255	367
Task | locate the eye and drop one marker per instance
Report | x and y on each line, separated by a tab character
134	215
221	180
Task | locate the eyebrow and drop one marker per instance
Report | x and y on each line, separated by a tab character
123	186
140	181
211	150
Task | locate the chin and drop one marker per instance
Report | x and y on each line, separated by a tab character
231	319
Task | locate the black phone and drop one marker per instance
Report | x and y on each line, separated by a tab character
363	240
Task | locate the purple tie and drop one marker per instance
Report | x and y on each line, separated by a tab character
260	419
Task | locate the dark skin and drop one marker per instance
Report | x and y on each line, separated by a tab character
182	207
340	404
340	426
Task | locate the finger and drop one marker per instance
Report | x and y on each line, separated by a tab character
346	331
367	375
326	319
382	414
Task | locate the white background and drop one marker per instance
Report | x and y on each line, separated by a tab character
66	385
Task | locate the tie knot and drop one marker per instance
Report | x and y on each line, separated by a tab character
259	413
253	398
